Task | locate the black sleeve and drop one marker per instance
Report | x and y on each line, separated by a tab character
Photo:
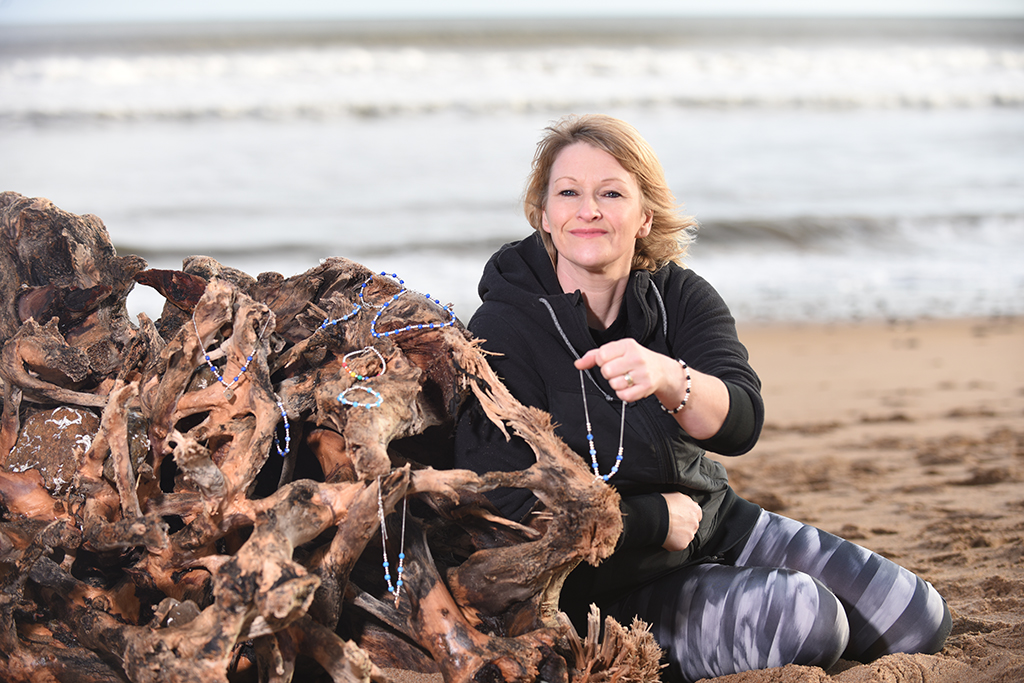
741	426
644	521
480	445
706	338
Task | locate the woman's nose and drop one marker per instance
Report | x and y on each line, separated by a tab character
589	210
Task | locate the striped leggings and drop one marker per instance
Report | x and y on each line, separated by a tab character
795	594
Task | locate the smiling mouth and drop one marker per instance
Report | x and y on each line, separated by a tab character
586	232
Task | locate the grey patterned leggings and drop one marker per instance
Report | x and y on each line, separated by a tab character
796	594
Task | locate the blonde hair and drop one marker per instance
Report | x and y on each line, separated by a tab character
671	231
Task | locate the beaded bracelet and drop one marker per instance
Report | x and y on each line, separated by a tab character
686	396
362	352
343	397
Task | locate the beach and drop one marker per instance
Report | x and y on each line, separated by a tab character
859	185
907	438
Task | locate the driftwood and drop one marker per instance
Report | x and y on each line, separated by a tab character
160	524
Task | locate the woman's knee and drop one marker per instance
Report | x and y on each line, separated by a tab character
816	630
918	622
766	618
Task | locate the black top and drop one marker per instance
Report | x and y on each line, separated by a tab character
539	331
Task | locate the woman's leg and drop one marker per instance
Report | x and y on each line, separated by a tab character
715	620
890	609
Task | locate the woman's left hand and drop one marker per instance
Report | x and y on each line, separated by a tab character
635	372
632	370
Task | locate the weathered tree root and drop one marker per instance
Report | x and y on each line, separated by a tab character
189	500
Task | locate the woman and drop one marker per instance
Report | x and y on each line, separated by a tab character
638	362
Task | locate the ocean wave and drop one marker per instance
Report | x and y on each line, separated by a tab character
919	234
826	268
306	82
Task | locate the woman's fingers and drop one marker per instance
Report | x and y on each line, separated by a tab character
684	517
632	370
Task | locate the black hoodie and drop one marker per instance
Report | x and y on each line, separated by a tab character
539	331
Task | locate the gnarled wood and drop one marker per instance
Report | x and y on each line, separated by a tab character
204	536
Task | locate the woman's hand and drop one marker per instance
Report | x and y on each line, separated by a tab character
634	372
684	517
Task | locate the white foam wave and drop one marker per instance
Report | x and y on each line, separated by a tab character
331	81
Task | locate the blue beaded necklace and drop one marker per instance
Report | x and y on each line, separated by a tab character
334	321
590	437
396	588
418	326
229	388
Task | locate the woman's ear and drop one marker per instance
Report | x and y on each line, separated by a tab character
645	227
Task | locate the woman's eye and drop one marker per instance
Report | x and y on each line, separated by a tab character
612	193
567	193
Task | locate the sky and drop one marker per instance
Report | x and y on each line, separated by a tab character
89	11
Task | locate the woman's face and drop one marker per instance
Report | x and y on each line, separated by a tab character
594	213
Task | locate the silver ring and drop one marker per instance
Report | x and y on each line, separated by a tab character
629	380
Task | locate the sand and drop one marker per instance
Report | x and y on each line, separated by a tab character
907	438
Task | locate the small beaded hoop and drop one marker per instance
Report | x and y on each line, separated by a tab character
362	352
686	396
343	397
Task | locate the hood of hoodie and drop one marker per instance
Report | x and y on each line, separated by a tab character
522	272
523	305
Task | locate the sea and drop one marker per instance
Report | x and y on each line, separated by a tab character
841	169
